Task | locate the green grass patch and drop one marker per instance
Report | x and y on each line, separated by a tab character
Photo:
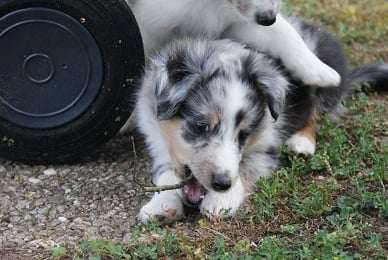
361	25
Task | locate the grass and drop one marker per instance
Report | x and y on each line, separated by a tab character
333	205
361	25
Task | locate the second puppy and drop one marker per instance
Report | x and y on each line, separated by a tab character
254	22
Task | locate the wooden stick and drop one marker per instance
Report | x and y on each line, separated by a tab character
145	187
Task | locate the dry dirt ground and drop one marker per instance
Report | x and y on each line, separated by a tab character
43	206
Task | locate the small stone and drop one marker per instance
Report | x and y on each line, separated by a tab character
34	180
27	217
60	208
16	241
62	219
78	220
50	172
98	223
40	202
5	202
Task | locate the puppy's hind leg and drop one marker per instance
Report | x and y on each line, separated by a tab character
300	60
282	41
303	142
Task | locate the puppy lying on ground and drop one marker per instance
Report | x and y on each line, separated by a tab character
255	22
219	111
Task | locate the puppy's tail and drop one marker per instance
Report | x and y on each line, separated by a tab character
372	75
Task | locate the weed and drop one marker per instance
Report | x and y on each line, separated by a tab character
58	251
99	248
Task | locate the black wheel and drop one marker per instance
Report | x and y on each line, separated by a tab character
67	76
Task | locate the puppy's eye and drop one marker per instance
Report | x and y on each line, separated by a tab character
202	126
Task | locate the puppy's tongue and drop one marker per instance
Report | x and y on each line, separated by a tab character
194	192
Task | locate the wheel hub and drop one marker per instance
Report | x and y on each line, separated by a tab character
38	68
51	68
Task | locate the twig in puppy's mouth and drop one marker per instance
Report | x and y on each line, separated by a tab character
145	188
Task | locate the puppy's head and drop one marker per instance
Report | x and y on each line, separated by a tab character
212	99
262	11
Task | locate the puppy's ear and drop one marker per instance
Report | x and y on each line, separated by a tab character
173	83
270	83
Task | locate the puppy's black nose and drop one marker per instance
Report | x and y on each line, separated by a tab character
221	182
265	20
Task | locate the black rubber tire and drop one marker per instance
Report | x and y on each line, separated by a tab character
67	135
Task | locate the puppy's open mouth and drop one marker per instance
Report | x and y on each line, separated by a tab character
193	191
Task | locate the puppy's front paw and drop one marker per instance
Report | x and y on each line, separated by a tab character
223	204
165	207
300	144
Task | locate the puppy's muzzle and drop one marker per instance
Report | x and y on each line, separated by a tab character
266	19
221	182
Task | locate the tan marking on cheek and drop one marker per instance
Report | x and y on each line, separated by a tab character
178	149
205	167
247	181
252	137
244	123
250	140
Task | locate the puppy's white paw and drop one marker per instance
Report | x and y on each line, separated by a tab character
300	144
223	204
322	76
313	72
165	207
